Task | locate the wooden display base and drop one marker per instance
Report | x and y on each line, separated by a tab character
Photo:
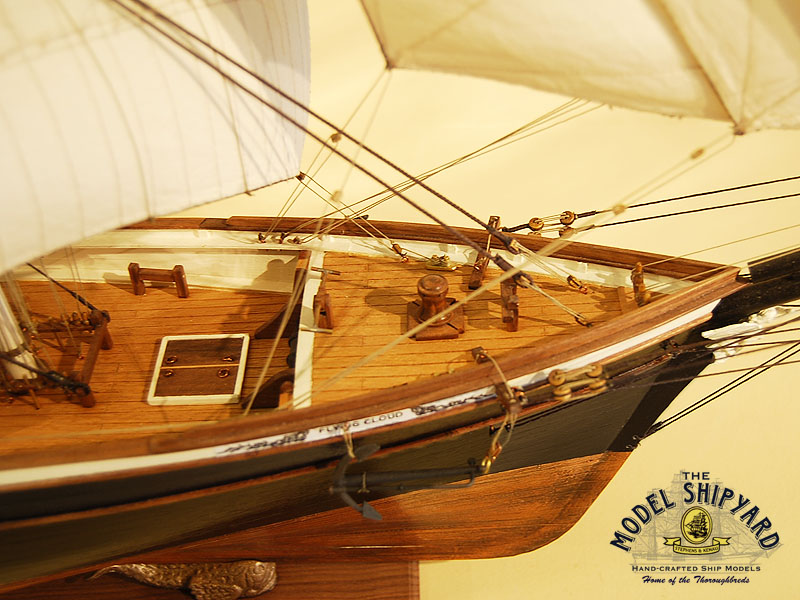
199	369
297	580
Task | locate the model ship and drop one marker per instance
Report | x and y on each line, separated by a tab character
310	387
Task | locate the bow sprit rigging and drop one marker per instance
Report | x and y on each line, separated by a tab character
563	222
782	358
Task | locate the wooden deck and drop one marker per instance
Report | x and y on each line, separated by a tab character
369	303
122	376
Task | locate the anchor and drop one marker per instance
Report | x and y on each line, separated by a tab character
398	481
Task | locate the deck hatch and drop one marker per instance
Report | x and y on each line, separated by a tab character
199	369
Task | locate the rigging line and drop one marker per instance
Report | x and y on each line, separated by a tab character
69	383
76	274
718	246
692	161
765	258
59	303
345	218
509	421
689	278
734	346
563	241
720	344
780	358
285	209
356	214
709	192
294	195
528	134
505	239
78	297
701	352
349	218
752	260
358	223
405	185
744	370
284	115
755	347
336	223
719	191
492	146
370	122
510	137
317	194
354	221
40	352
551	267
697	210
533	286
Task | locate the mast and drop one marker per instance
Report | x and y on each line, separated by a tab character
12	342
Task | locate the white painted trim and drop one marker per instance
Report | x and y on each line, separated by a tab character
305	338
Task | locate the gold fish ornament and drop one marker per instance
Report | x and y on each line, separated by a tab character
205	581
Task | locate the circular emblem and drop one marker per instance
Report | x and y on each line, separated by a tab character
696	525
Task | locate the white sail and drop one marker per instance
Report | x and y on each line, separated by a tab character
735	60
105	122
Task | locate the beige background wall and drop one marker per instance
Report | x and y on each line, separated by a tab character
748	438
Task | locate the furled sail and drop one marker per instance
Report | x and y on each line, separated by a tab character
737	60
104	121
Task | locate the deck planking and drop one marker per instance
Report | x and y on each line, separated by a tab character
122	374
369	302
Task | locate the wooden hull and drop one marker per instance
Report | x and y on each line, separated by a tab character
560	457
274	498
503	514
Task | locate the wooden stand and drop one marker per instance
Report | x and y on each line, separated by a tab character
297	580
176	275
